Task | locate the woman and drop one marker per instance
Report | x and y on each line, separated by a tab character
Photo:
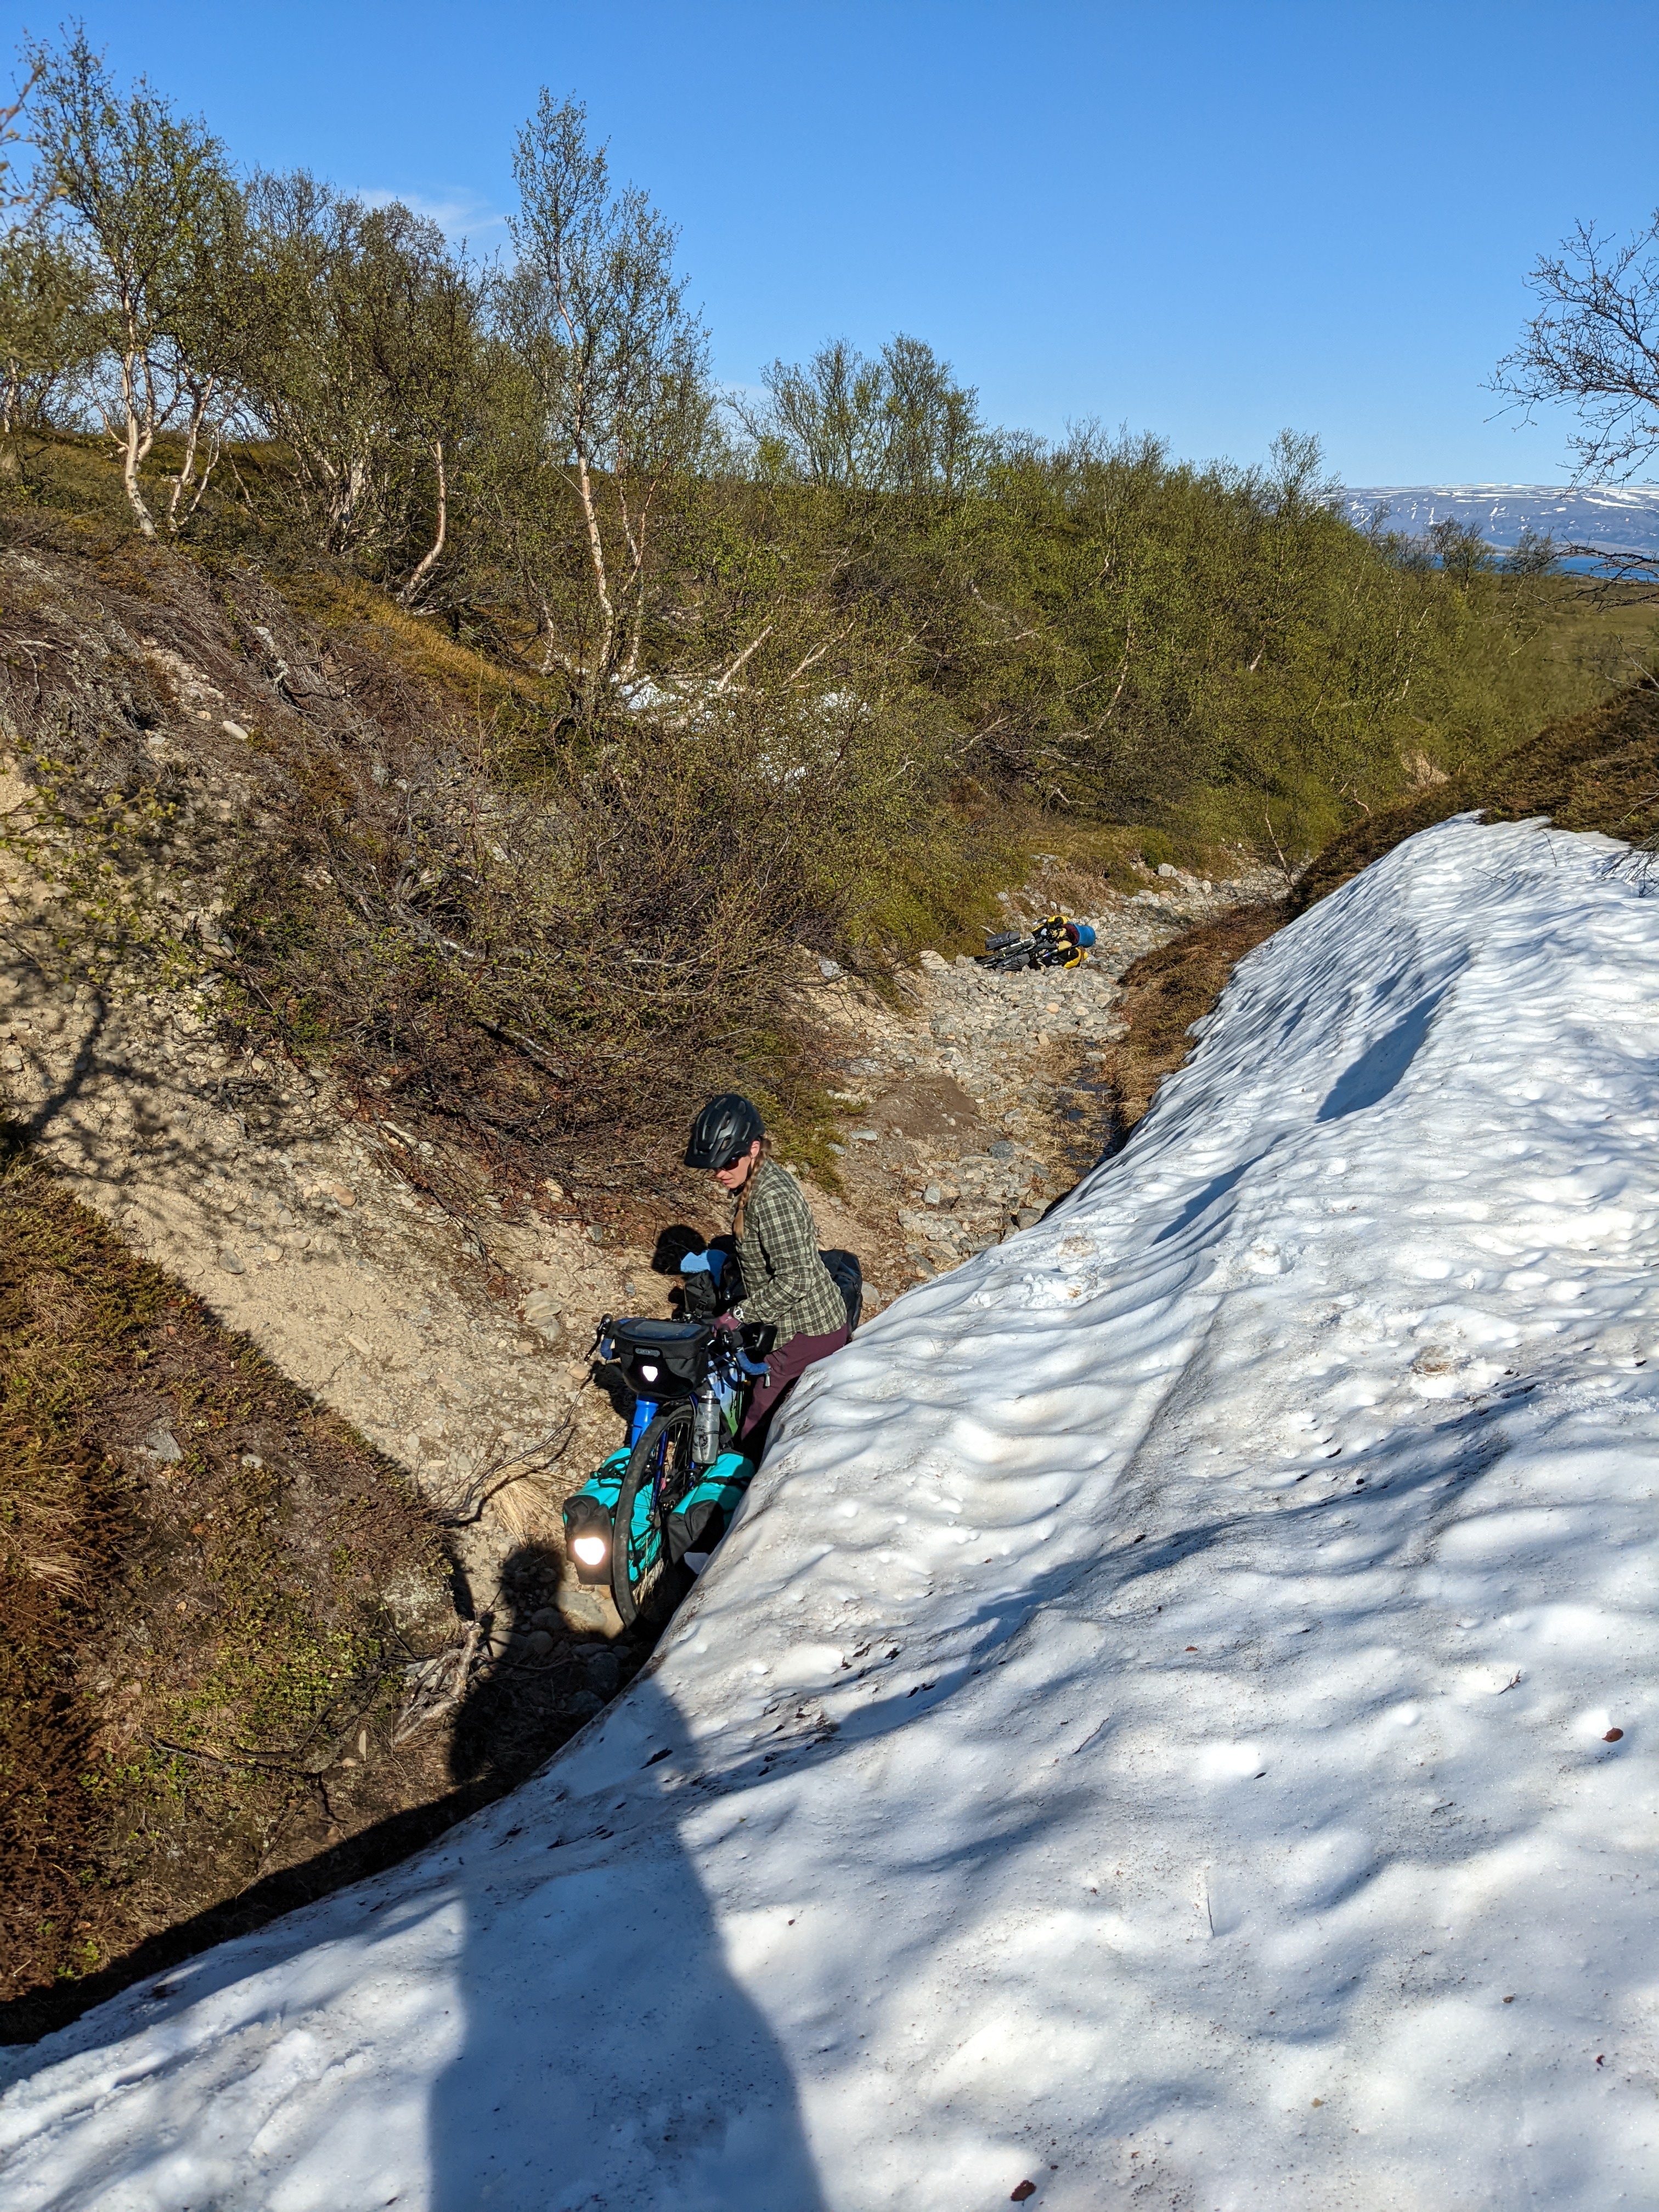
784	1280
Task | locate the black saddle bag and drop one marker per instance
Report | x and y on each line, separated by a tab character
848	1279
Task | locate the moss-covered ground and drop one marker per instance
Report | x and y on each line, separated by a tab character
212	1589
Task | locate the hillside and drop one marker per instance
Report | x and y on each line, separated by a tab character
1598	770
1191	1839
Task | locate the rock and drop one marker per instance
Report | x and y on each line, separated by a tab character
1000	1149
230	1262
1166	871
931	1195
539	1643
541	1312
830	969
162	1444
546	1617
933	962
252	1461
555	1190
584	1704
603	1672
586	1608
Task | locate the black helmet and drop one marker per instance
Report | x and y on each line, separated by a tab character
727	1125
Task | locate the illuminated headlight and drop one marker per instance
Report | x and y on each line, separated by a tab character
590	1550
649	1374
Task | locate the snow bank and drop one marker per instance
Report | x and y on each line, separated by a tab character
1176	1714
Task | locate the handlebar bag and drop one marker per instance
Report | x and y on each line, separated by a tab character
847	1277
661	1359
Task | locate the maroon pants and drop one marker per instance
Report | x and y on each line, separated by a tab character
784	1369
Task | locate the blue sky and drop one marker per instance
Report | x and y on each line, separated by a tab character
1204	218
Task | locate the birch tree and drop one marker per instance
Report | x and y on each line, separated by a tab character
46	332
595	314
152	208
898	423
1594	344
367	368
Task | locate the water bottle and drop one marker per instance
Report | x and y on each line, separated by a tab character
706	1427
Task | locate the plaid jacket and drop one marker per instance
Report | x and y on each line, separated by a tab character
784	1280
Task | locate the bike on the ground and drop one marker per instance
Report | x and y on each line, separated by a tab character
1054	943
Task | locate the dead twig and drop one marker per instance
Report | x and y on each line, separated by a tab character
438	1686
1288	871
465	1507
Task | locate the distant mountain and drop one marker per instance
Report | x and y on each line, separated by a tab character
1622	517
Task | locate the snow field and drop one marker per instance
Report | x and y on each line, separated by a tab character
1148	1731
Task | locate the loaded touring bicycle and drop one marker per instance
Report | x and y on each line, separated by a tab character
657	1508
651	1514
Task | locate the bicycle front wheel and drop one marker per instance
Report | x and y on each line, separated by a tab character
660	1474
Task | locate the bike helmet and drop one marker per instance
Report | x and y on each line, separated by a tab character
727	1125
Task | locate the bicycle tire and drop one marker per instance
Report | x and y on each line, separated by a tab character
640	1583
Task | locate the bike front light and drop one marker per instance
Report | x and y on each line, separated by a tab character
590	1550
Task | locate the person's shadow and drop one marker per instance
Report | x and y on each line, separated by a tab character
608	2057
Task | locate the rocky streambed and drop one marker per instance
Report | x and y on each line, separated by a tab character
974	1099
